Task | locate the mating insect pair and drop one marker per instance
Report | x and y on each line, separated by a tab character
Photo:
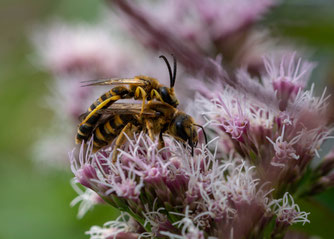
106	121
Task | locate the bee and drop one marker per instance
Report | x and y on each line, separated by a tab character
139	87
156	119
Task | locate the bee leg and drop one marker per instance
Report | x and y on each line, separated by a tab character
155	94
149	127
128	130
100	106
140	91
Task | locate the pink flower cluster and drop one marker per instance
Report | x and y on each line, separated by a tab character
170	193
218	193
282	139
83	48
265	126
211	27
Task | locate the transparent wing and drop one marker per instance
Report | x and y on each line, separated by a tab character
116	81
127	108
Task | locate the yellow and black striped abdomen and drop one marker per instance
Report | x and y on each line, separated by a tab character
87	126
85	130
106	132
99	101
121	91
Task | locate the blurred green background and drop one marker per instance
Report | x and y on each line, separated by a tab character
34	201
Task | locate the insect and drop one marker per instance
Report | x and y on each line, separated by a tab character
139	87
157	118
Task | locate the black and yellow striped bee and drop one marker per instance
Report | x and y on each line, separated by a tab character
156	119
139	87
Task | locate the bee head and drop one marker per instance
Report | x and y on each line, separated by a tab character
183	127
168	96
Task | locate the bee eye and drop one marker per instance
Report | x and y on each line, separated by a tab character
164	93
180	129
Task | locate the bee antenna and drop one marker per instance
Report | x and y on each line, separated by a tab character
174	74
169	70
206	139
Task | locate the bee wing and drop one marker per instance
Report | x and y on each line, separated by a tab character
117	81
126	108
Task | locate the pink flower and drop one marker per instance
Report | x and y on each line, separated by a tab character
288	77
83	169
216	190
284	150
79	48
118	229
288	212
88	200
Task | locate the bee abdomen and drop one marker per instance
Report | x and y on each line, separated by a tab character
105	133
119	90
103	136
99	141
83	132
86	128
